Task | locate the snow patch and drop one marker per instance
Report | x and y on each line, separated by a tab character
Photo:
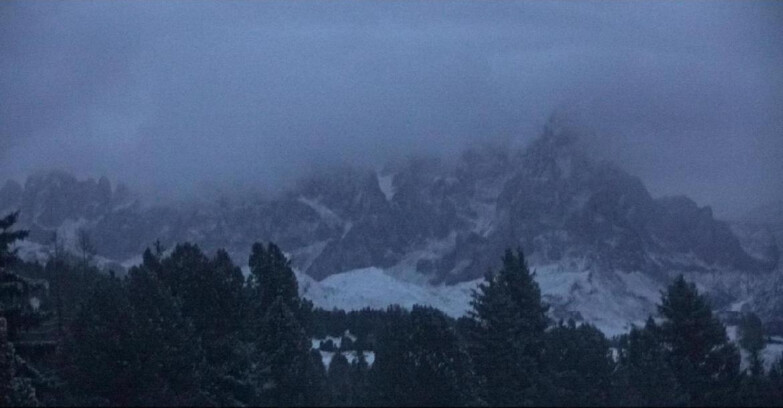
386	185
373	288
323	211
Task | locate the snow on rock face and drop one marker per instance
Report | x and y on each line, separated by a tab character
612	303
386	185
427	232
372	287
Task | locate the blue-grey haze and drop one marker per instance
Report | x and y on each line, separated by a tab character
177	98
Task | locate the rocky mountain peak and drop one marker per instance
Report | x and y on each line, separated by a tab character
423	221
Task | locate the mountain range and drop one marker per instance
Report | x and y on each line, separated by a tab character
601	245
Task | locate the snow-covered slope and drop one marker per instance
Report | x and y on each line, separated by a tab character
612	303
374	288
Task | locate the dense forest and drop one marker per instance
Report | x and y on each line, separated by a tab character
187	328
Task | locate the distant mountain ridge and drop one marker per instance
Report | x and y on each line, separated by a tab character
426	223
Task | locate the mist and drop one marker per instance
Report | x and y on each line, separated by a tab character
177	98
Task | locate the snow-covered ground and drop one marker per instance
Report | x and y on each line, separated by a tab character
350	355
372	287
612	302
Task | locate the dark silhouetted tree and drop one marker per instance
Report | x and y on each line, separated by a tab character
579	366
507	334
705	363
644	376
420	362
751	338
282	358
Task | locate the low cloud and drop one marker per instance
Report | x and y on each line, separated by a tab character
175	97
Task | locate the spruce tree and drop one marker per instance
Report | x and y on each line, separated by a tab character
271	277
15	391
166	342
15	290
100	359
16	315
507	334
391	378
359	379
775	394
341	387
443	370
755	385
420	362
282	358
705	363
317	388
644	376
579	365
751	338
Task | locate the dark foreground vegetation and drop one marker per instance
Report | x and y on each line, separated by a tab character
184	328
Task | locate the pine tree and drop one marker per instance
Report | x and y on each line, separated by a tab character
271	277
755	385
315	379
211	295
644	377
341	387
420	362
580	366
15	391
282	358
130	345
775	394
705	363
166	342
507	334
751	333
391	378
443	370
360	379
15	290
100	358
16	315
7	238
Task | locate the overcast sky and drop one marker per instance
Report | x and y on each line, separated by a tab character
174	96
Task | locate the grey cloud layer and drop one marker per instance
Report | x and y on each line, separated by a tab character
175	96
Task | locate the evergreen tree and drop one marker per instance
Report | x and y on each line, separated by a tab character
751	334
443	370
15	390
130	345
165	343
391	378
579	364
317	388
271	277
341	386
360	379
69	283
705	363
100	358
507	334
211	293
644	377
282	358
15	290
17	314
775	394
420	362
8	238
756	387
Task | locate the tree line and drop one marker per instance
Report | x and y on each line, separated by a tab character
185	328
